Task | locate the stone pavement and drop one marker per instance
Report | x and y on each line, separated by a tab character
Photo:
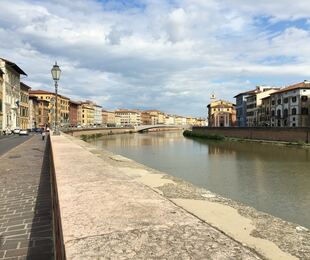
108	215
25	202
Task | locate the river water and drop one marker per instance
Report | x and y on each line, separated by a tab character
274	179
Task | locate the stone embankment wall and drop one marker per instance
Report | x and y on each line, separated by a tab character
103	131
259	133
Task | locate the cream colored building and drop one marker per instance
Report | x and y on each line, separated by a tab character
221	114
169	120
127	117
10	95
180	120
24	106
108	118
63	106
290	106
254	102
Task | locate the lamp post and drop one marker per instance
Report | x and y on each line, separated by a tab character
56	75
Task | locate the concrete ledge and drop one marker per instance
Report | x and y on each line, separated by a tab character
112	207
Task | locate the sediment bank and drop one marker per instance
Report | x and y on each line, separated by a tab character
106	197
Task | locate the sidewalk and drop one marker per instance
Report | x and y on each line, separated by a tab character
106	214
25	202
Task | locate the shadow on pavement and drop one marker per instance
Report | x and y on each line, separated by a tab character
41	243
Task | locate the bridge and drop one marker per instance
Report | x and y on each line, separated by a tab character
142	128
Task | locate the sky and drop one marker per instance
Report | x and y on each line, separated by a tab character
169	55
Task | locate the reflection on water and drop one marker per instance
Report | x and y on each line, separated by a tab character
271	178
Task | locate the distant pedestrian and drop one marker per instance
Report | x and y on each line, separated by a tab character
43	135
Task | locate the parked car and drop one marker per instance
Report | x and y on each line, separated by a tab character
23	132
16	131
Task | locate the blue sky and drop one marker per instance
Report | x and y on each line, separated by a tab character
167	55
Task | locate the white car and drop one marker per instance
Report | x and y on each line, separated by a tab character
16	131
23	132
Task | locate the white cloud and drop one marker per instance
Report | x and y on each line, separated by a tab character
171	56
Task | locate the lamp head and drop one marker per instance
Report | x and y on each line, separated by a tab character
56	72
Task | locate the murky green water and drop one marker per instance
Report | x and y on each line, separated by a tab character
270	178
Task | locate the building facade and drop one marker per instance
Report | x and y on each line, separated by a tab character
241	108
10	92
108	118
74	113
290	106
254	102
24	106
87	113
62	107
221	114
1	101
33	112
97	115
128	117
264	112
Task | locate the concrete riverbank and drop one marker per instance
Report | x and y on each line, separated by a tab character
113	207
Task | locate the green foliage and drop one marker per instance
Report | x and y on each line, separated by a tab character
83	137
188	133
301	143
92	136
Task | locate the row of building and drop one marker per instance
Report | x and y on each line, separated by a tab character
264	107
25	108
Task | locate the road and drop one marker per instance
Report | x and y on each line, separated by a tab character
9	142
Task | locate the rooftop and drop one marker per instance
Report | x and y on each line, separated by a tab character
14	66
44	92
301	85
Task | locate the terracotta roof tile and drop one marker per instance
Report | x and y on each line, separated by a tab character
300	85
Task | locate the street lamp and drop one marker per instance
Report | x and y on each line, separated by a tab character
56	75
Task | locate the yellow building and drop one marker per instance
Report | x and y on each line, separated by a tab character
24	106
221	114
87	113
63	106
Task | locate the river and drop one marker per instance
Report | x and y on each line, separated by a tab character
271	178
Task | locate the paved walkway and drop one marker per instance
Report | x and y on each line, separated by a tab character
107	214
25	202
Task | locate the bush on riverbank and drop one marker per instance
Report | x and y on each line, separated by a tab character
92	136
188	133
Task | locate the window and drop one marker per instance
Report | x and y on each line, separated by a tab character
285	100
285	112
294	119
272	113
278	113
304	111
304	98
294	99
273	102
294	124
294	111
279	101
